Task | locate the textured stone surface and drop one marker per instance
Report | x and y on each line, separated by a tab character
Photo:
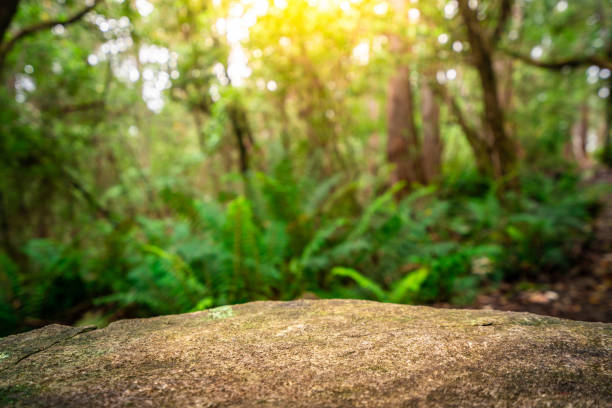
313	353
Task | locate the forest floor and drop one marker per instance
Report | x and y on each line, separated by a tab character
585	293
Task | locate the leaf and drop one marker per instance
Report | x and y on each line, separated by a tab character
203	304
410	284
514	233
361	281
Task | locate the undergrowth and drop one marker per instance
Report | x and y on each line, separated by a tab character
288	236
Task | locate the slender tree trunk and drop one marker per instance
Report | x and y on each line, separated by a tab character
244	137
607	150
504	68
579	135
607	147
432	145
503	149
199	127
403	147
5	229
583	129
285	138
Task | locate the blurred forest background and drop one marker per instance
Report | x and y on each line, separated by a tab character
175	155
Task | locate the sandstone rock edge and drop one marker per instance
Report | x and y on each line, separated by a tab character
313	353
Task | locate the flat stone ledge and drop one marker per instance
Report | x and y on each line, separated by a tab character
313	353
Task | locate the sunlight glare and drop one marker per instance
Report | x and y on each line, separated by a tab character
280	4
361	53
381	8
537	52
561	6
238	69
414	14
272	86
144	7
450	9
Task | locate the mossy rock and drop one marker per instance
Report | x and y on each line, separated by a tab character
314	353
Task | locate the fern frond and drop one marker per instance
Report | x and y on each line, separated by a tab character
360	280
408	285
365	221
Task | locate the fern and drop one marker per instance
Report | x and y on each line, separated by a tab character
401	290
319	239
242	232
365	221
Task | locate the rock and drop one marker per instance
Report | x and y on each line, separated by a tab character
314	353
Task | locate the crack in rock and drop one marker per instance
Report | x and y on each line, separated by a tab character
15	349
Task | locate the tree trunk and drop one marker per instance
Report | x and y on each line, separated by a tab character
5	230
403	147
607	142
607	150
199	127
504	69
583	131
505	66
244	137
578	136
503	150
432	145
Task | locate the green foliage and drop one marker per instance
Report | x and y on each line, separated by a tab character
425	248
9	281
548	223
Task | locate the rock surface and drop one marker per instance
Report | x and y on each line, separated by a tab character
318	353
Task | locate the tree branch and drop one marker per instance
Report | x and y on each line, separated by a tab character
89	198
7	13
470	132
6	47
558	65
81	107
479	145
